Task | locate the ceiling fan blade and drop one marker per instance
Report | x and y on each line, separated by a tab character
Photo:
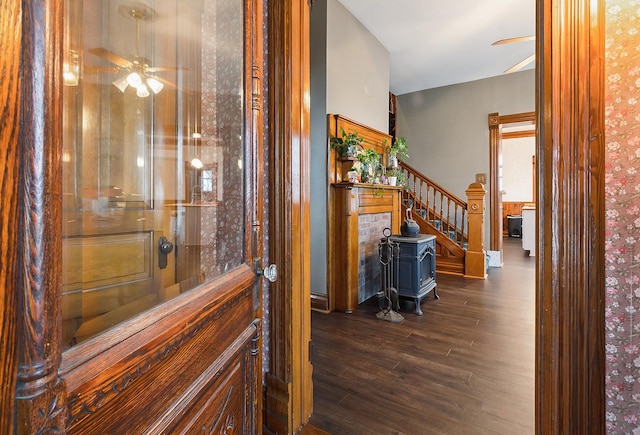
111	57
518	39
518	66
102	69
165	68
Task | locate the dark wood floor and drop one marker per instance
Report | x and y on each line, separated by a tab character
465	367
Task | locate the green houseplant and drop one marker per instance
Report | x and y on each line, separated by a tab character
393	175
396	177
370	164
348	145
398	151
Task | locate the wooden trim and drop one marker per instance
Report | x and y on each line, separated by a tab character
570	363
534	184
319	302
372	139
475	257
496	122
259	192
10	25
515	118
82	363
40	396
518	134
288	390
495	209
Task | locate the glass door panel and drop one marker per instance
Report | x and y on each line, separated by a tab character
153	176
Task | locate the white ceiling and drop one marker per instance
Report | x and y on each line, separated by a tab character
435	43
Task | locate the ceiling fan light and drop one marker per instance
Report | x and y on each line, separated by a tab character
154	84
71	69
197	163
142	91
134	79
70	78
121	83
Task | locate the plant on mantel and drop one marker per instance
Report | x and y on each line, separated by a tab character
370	165
397	175
348	145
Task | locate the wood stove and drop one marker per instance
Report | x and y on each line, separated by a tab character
415	267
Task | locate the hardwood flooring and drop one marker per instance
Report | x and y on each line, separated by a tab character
465	367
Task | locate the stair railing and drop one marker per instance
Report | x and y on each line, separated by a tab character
444	210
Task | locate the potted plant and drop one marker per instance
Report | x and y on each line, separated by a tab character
392	176
370	164
348	145
397	151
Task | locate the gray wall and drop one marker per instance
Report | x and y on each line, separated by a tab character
350	77
318	128
357	70
446	128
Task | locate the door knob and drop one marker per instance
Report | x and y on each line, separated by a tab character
164	248
270	272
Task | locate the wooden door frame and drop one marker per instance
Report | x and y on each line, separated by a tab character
288	383
496	122
10	158
570	286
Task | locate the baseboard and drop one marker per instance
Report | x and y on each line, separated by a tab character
319	302
277	409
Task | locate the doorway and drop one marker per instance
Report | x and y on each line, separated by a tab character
517	125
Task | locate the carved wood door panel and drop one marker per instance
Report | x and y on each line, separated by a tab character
152	320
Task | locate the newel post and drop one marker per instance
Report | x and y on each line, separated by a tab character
475	258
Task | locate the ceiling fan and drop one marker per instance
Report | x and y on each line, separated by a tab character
135	70
518	66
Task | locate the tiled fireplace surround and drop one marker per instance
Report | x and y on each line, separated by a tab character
370	228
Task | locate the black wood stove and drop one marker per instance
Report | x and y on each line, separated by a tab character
414	267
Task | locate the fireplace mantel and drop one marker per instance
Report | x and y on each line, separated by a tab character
349	202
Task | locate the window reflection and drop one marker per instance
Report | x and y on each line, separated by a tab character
149	89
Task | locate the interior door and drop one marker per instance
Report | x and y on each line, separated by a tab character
160	303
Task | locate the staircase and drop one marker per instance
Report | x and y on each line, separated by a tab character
441	213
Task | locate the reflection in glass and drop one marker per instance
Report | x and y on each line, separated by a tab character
154	89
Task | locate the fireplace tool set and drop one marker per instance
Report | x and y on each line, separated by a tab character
388	252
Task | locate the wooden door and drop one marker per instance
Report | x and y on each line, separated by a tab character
142	314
